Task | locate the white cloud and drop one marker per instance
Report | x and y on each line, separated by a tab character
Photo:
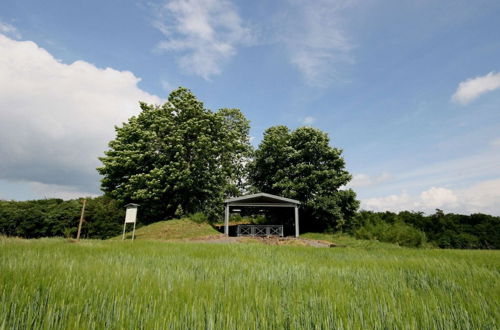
472	88
308	120
394	203
495	142
481	197
437	197
313	34
205	32
9	30
363	180
56	118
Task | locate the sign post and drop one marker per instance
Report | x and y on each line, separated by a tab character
81	220
130	217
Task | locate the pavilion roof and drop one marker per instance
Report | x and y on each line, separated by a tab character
261	198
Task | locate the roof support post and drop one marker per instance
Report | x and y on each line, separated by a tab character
226	221
296	221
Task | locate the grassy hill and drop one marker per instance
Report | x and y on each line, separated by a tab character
172	230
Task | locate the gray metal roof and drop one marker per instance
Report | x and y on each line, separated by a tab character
258	195
131	205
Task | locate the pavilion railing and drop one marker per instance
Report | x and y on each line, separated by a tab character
260	230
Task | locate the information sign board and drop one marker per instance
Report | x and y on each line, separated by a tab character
131	215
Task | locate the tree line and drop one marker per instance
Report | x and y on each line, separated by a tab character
443	230
104	219
55	217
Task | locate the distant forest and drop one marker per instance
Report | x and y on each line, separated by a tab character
54	217
475	231
104	219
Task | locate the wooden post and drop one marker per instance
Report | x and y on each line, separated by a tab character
226	221
124	225
296	221
133	232
81	220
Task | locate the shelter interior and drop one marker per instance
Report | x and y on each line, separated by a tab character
261	210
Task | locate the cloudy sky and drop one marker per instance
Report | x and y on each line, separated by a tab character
410	90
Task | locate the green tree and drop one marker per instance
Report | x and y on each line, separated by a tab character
302	165
178	155
237	151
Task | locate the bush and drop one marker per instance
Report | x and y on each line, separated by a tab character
466	241
235	217
398	232
259	219
179	212
199	217
450	239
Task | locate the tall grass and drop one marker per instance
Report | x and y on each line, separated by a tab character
156	285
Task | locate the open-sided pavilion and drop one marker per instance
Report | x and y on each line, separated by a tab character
263	200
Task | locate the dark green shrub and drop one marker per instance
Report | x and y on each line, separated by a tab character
259	219
235	217
466	241
398	232
199	217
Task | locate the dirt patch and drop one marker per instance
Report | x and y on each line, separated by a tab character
222	239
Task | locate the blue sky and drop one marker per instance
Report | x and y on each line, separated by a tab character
410	90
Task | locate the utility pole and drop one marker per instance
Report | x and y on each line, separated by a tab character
81	220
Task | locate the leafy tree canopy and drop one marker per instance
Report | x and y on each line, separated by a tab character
177	156
302	165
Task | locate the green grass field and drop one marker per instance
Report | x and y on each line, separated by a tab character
52	283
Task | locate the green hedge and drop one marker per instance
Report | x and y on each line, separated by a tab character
399	233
